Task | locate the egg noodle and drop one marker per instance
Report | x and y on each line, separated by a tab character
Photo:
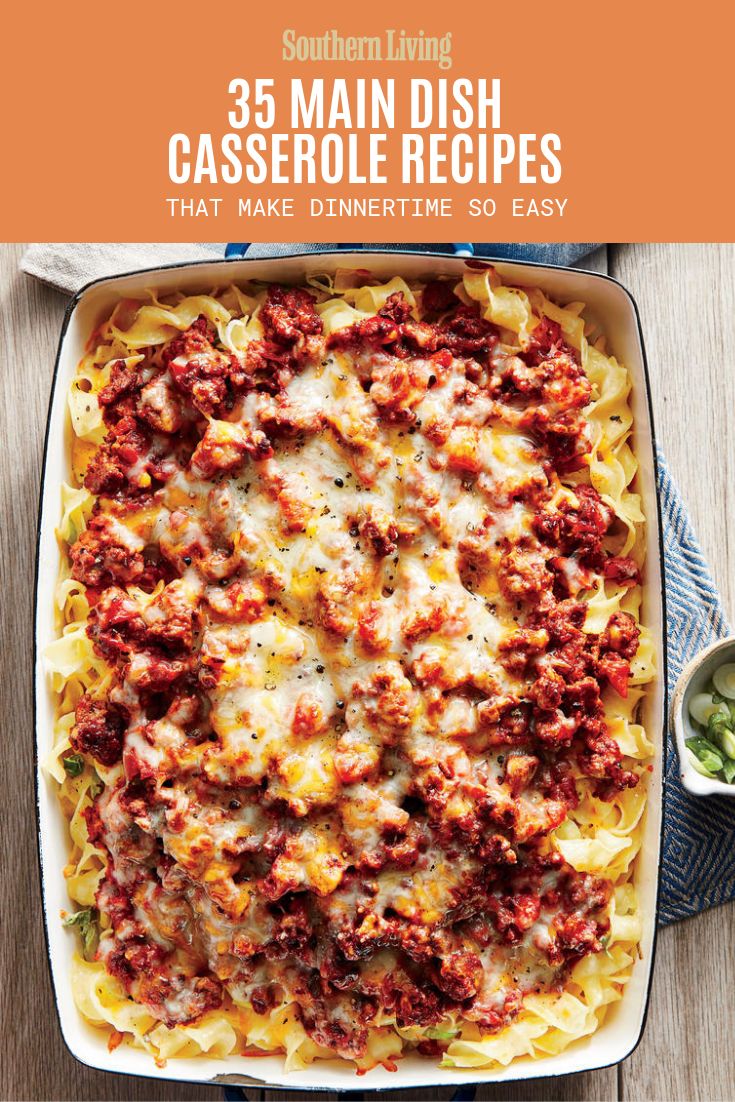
598	832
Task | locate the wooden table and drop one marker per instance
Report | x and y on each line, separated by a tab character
686	294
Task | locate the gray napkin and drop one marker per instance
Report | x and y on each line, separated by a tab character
70	265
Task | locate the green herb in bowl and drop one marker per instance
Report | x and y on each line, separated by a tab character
712	752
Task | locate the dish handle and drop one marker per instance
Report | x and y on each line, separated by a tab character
235	250
466	1093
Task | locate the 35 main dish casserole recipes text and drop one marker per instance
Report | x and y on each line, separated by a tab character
349	670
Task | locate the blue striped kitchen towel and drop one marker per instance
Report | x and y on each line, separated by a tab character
699	833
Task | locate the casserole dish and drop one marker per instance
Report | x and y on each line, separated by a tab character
615	311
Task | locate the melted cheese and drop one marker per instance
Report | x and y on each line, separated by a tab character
329	772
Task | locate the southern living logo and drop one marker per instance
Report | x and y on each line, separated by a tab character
393	46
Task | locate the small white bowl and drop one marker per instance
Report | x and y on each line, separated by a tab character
694	679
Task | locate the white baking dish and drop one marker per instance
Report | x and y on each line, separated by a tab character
615	310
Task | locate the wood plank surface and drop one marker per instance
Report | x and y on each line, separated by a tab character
686	295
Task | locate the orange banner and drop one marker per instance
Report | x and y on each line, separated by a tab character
287	122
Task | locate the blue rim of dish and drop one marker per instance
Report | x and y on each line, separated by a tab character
237	1079
235	250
